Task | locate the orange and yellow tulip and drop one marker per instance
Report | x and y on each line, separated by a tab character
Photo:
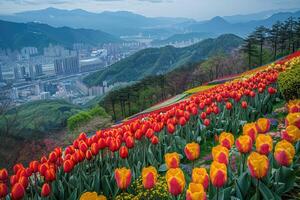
244	143
175	180
172	160
264	144
293	119
263	125
226	140
250	129
200	176
123	177
195	192
294	106
149	177
291	133
284	153
220	154
192	151
258	165
218	174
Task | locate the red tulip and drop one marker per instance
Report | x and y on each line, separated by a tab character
101	143
154	140
83	146
203	115
206	122
182	121
52	157
50	175
17	191
244	104
228	106
13	180
88	155
24	181
34	165
46	190
3	175
171	128
94	149
149	133
68	166
123	152
3	190
129	141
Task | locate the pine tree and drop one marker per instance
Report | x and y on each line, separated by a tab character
249	48
260	35
273	37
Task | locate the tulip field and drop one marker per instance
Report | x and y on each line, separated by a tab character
217	143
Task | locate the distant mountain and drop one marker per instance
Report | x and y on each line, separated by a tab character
155	61
256	16
17	35
183	37
117	23
219	25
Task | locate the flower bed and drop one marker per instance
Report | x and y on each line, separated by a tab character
111	159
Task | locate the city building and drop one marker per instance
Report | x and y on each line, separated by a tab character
44	95
17	74
38	70
1	76
66	65
26	52
23	71
31	72
56	51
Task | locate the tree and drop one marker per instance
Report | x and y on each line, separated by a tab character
249	48
273	37
260	38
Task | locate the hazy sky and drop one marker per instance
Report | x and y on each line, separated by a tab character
197	9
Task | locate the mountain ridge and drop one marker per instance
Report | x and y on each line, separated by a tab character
154	61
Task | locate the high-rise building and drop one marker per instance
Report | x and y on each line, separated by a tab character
38	70
67	65
17	73
1	76
31	72
23	71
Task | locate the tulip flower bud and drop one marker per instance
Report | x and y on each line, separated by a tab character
264	144
149	177
244	143
250	129
46	190
123	152
195	192
94	149
68	166
3	190
220	154
284	153
129	142
149	133
263	125
203	115
244	104
200	176
192	151
218	174
226	140
170	128
123	177
291	133
175	180
88	155
258	165
3	175
293	119
17	191
154	140
228	106
172	160
206	122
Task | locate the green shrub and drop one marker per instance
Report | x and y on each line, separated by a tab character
85	116
289	83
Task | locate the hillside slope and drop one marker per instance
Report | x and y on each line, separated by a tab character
155	61
17	35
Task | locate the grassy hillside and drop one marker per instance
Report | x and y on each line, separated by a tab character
38	117
154	61
17	35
